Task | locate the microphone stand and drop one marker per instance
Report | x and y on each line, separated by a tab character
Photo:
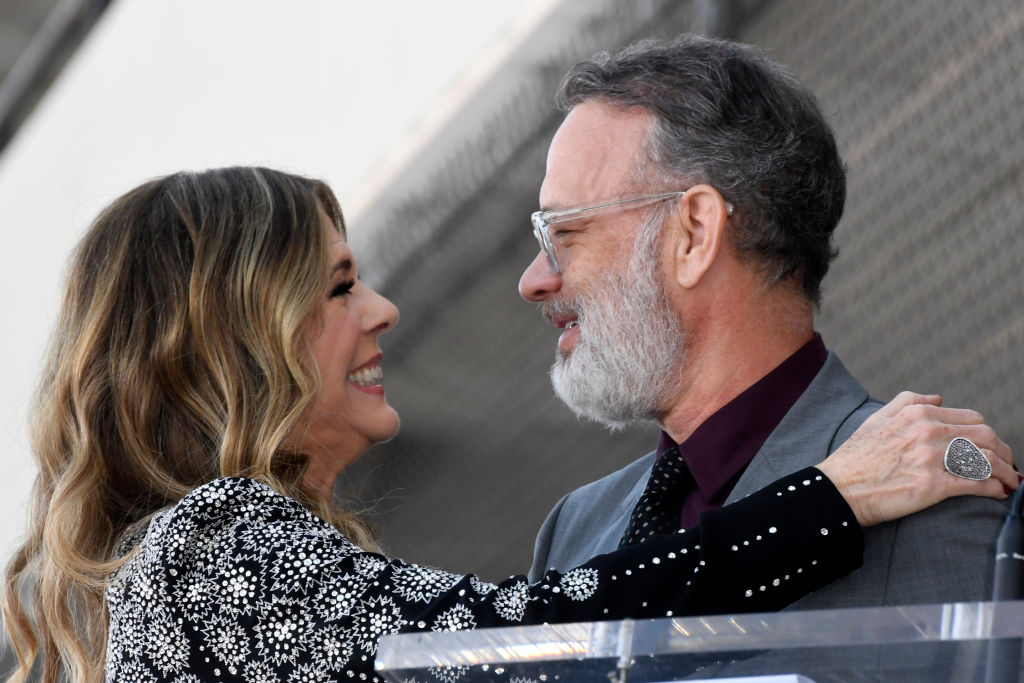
1004	654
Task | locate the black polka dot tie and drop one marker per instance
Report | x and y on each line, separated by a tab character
659	508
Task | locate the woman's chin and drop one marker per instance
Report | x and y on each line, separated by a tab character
395	427
387	429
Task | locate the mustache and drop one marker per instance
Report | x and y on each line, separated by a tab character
553	309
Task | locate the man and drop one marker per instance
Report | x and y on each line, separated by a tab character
710	186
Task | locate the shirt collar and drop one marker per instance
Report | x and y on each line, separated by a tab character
725	443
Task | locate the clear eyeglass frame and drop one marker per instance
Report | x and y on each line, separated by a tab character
542	220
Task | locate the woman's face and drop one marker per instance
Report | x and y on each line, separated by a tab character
351	411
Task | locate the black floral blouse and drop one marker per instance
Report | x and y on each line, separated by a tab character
237	582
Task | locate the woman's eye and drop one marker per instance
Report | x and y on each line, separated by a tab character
343	288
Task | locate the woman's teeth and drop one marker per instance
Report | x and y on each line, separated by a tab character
367	377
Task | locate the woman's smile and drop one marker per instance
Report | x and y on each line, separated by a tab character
368	377
350	412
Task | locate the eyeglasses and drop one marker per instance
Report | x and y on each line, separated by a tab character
542	220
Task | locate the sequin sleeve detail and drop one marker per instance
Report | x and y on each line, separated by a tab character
238	582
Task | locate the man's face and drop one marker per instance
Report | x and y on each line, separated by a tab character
621	350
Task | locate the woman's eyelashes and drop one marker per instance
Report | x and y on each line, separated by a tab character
343	288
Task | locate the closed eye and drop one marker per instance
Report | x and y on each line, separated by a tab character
570	225
343	288
562	234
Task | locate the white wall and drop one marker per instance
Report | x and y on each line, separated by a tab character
345	90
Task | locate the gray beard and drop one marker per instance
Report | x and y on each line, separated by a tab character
630	351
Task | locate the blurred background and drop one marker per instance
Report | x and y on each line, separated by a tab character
431	121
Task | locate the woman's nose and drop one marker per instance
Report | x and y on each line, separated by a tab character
385	314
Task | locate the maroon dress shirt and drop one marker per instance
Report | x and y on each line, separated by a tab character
720	449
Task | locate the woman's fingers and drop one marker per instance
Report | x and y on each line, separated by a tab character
908	398
1003	471
984	437
892	465
1004	478
951	423
954	416
939	426
993	487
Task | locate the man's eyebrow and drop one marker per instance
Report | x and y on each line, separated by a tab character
559	204
549	207
551	203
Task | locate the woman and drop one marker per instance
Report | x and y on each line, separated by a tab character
215	365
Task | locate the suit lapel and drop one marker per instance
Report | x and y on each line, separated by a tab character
629	502
805	435
594	525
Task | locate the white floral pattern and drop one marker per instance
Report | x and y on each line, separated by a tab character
448	673
417	584
458	618
227	640
510	602
481	587
281	631
165	644
379	616
239	583
579	584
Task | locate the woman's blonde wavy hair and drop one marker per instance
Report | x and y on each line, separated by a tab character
179	357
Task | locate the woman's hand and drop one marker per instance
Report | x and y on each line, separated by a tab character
892	465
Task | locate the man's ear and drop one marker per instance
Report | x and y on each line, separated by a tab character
697	228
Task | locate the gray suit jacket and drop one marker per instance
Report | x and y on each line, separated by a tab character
945	553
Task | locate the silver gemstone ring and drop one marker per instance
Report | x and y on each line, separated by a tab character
966	460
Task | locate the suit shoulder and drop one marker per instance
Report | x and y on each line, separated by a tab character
854	420
619	483
945	553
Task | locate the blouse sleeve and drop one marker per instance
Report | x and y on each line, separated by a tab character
240	583
756	555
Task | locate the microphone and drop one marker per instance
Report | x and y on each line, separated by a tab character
1004	654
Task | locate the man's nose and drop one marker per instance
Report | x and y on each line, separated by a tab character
539	280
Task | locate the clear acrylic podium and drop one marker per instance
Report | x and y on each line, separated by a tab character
972	641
